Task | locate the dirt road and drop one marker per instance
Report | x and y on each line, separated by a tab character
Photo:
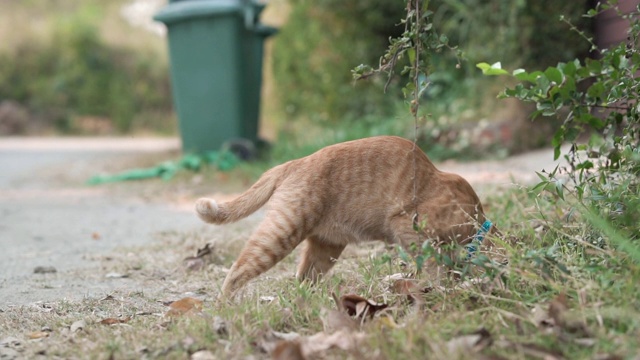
51	221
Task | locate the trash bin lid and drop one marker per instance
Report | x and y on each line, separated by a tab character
186	10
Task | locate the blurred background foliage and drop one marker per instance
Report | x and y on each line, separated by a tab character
80	68
324	39
72	78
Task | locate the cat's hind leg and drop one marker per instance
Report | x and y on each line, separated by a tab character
274	239
317	258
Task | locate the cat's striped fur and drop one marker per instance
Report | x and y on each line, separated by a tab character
342	194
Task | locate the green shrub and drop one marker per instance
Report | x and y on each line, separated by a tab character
324	40
595	100
76	73
316	50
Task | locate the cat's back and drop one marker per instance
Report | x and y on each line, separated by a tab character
381	164
379	152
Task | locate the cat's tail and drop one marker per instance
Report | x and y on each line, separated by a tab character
244	205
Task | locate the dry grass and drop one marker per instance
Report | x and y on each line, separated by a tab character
526	312
527	309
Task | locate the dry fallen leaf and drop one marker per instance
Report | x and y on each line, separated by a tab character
268	339
107	298
471	343
77	326
532	350
540	318
300	348
288	350
203	355
220	326
202	258
37	335
267	299
184	306
194	263
343	339
360	307
607	357
410	289
111	321
115	275
334	320
558	311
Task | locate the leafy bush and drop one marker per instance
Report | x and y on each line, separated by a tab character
597	101
323	40
77	74
315	51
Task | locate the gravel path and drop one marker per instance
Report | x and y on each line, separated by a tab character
51	220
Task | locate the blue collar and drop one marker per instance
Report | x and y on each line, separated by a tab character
477	238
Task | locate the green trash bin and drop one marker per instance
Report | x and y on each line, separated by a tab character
215	51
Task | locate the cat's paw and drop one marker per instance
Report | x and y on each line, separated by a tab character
207	209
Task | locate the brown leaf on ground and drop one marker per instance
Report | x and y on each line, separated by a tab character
202	258
607	357
111	321
288	350
334	320
37	335
320	342
194	263
539	352
184	306
316	345
360	307
410	289
558	311
532	350
107	298
268	339
470	343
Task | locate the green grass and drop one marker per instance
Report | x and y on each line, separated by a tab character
600	285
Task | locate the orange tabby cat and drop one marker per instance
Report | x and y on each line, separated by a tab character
342	194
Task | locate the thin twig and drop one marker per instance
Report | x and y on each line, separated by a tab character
415	107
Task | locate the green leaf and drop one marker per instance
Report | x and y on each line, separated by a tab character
596	90
521	75
412	55
556	142
560	189
594	66
593	121
568	69
554	74
585	165
495	69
